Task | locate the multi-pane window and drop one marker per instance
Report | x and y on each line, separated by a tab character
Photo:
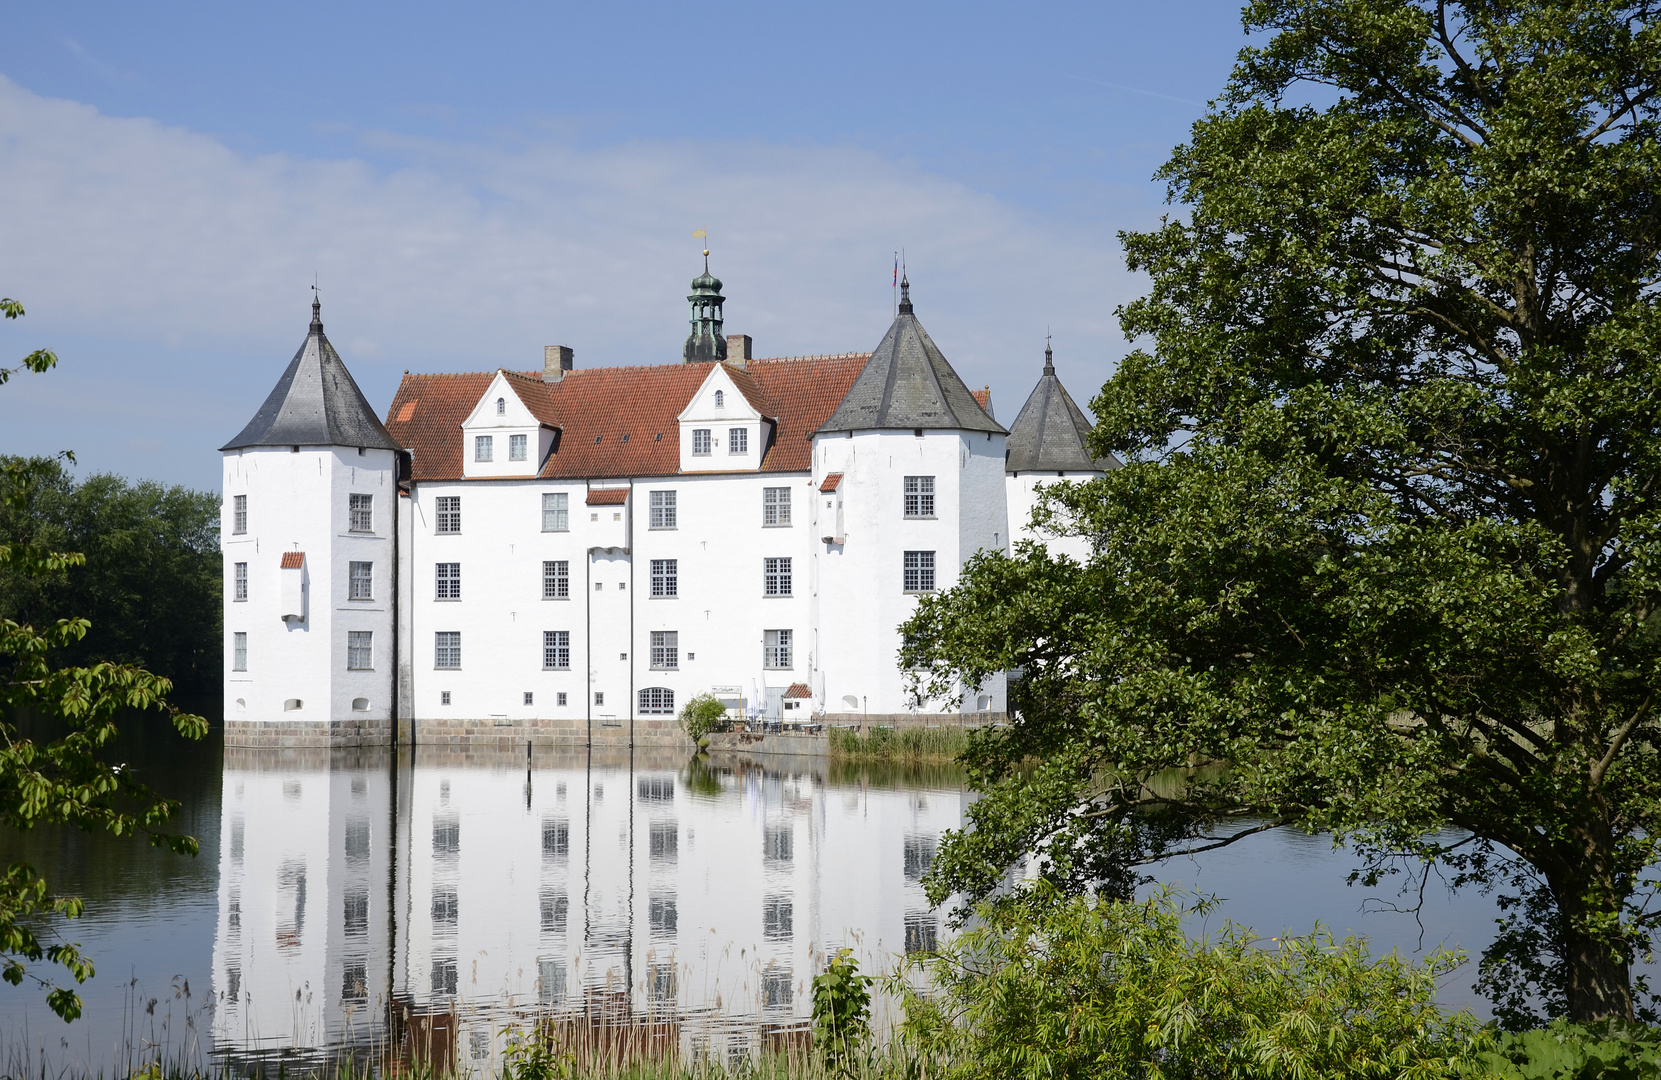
361	510
556	650
700	440
556	511
663	509
501	406
556	579
777	647
919	496
447	581
447	649
516	448
777	918
657	700
919	571
775	506
239	514
239	651
361	581
239	581
484	448
666	651
559	699
665	577
775	577
447	518
738	440
360	650
720	399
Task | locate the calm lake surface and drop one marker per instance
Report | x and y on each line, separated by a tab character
685	902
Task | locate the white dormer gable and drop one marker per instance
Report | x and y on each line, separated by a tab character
720	430
501	437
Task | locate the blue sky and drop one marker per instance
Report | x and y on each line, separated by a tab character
472	183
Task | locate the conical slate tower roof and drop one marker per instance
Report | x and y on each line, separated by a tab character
907	383
315	403
1049	434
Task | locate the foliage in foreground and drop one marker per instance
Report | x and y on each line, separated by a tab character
62	779
1060	987
1606	1050
1385	555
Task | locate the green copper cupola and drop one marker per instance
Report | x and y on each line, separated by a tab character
705	344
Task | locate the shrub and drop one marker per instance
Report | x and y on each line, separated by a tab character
1052	986
841	1012
702	714
1565	1051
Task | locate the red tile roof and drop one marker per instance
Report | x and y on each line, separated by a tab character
831	481
618	422
798	689
293	560
607	496
982	396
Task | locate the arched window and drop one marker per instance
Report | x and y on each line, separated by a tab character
720	399
657	700
501	406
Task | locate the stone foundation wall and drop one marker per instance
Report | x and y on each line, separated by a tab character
487	736
288	734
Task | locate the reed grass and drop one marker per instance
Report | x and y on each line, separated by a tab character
911	745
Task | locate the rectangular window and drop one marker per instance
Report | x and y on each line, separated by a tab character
775	506
738	440
361	510
666	650
239	651
556	511
665	577
663	509
444	697
239	514
775	576
556	651
556	579
700	440
528	697
448	516
447	649
599	697
919	496
361	581
559	699
776	653
919	571
516	448
360	650
239	581
447	581
657	701
484	447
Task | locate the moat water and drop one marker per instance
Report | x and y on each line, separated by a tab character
680	902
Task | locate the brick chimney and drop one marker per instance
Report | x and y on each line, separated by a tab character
556	361
739	348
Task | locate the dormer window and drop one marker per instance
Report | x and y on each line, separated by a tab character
720	399
501	406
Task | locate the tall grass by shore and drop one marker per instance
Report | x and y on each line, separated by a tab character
910	745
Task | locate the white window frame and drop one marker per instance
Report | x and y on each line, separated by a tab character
720	399
663	509
447	650
556	511
775	507
665	579
484	448
666	650
919	496
239	583
778	649
700	442
239	650
918	572
447	581
447	514
776	576
239	515
360	580
556	579
556	651
518	447
738	441
360	650
360	513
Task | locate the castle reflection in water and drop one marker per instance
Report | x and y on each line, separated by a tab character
476	890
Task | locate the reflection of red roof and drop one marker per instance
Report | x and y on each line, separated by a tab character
293	560
831	481
608	496
617	422
798	689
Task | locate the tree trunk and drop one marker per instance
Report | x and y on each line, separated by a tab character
1597	975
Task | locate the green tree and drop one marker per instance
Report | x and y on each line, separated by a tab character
62	780
1386	553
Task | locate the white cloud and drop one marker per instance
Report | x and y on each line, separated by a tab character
165	243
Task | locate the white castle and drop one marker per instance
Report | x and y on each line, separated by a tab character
574	553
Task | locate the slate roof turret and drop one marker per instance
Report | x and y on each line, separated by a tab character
315	403
908	383
1050	433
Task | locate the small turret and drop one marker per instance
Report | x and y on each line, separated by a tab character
705	344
